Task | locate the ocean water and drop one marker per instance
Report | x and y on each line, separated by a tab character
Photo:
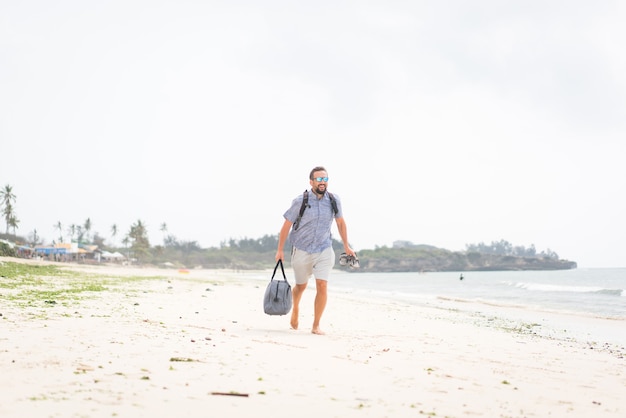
597	292
586	303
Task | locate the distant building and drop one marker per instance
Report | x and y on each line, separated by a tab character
402	244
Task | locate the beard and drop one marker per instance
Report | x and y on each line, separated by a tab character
320	190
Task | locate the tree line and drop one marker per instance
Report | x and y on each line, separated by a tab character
136	239
505	248
250	253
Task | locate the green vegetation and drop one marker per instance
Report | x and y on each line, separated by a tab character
20	273
47	285
402	257
254	254
44	284
425	258
6	250
258	254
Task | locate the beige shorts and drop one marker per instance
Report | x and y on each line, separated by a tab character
306	264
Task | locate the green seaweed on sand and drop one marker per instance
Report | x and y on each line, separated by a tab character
33	284
183	359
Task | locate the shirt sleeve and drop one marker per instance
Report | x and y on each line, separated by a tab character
292	213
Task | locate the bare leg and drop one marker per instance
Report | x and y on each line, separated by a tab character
320	303
295	310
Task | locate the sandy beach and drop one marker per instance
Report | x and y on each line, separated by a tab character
162	343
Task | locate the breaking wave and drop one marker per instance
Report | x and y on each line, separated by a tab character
542	287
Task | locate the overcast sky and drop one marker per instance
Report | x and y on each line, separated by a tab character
440	122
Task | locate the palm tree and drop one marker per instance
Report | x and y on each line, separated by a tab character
60	228
125	241
13	222
87	227
72	231
7	198
80	234
34	238
138	234
164	230
113	232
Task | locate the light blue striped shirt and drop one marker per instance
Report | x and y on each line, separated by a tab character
313	235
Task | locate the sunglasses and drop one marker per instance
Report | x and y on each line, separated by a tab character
320	178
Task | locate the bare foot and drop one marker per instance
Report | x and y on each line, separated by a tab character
294	322
318	331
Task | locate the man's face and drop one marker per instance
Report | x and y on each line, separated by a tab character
319	182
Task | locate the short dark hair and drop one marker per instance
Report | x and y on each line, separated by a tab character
318	168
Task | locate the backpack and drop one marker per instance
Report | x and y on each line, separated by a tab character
305	204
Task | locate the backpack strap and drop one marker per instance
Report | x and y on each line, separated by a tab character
305	204
333	202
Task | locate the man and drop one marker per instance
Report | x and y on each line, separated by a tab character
312	253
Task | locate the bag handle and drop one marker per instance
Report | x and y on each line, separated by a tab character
280	262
